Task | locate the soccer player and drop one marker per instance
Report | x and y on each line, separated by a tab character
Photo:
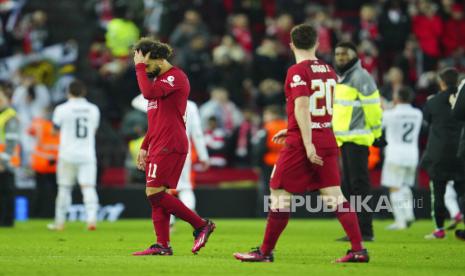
163	152
78	120
402	125
309	161
194	134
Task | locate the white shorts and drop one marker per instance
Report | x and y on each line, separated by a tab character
84	173
185	182
396	176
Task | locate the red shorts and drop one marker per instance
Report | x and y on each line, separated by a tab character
164	170
294	173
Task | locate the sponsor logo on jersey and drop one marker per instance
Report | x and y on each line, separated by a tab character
297	81
169	80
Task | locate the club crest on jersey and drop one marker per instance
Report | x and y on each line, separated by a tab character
169	80
297	81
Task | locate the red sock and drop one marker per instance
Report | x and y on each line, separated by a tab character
174	206
161	224
349	221
276	222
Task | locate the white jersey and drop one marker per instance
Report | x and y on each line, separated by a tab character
78	121
402	125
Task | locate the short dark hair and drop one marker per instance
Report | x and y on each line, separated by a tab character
156	48
347	45
304	36
405	95
77	88
450	76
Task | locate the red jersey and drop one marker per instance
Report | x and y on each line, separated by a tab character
317	80
166	110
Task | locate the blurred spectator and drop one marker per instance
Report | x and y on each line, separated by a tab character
368	29
326	36
394	29
410	62
134	124
229	68
265	151
393	84
270	92
153	10
227	115
121	33
243	138
99	55
428	27
197	62
190	28
228	51
368	54
281	28
44	162
30	99
33	32
215	138
266	61
453	40
446	8
59	91
241	32
103	10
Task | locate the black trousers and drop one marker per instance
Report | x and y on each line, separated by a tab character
7	199
356	181
44	203
438	190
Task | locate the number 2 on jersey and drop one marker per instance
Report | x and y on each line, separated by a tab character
322	90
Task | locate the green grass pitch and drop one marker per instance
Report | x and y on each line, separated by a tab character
307	247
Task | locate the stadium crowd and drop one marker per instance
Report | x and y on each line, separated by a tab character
235	53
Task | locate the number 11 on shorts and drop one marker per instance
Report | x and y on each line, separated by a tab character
152	170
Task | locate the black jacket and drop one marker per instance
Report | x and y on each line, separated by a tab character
440	157
459	114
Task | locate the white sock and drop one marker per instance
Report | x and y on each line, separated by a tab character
450	198
397	203
62	204
90	198
407	206
187	197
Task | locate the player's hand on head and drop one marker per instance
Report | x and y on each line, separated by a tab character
140	58
141	160
313	156
280	137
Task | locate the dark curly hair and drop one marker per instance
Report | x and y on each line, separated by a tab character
156	48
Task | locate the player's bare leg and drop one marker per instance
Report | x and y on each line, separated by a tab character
62	204
335	200
90	198
278	217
